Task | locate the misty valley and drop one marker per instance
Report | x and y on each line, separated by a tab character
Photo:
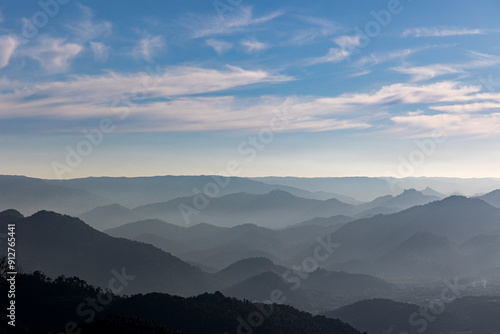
263	255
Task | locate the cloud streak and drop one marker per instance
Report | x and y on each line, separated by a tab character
214	25
7	47
89	96
253	45
420	73
440	32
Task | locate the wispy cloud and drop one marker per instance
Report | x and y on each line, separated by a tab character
382	57
348	42
87	29
420	73
219	46
449	124
214	25
318	28
426	72
148	46
479	60
254	45
334	55
346	45
86	96
54	54
440	32
469	107
101	50
7	47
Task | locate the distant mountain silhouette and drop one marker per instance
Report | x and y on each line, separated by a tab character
245	269
367	240
424	255
361	188
389	317
165	230
492	198
63	245
220	246
259	288
342	283
409	198
326	221
273	210
137	191
30	195
463	315
238	243
431	192
480	253
203	243
109	216
318	291
378	210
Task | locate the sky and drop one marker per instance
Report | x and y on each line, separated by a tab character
250	88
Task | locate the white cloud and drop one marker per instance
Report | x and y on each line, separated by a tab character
53	53
148	47
440	32
481	60
253	45
426	72
229	113
87	96
219	46
469	107
346	43
213	25
334	55
87	28
7	47
91	96
400	93
449	124
319	28
382	57
420	73
101	50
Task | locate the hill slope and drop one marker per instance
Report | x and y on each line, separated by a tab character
49	305
63	245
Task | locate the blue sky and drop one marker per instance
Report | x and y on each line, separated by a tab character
327	88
